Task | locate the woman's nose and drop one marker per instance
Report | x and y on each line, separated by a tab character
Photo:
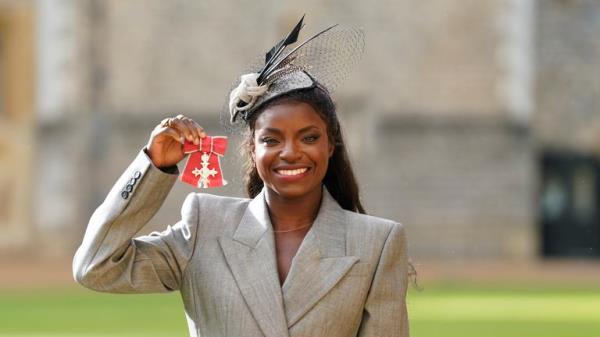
290	152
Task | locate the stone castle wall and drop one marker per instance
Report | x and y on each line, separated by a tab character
438	114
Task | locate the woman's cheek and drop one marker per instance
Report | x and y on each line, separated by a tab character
261	152
261	158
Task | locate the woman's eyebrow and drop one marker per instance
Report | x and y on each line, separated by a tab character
278	131
308	128
271	130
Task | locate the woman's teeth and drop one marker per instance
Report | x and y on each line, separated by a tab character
292	172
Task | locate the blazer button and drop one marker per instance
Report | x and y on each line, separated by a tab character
132	181
137	174
129	188
125	194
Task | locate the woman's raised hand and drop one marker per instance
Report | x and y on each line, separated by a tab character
165	147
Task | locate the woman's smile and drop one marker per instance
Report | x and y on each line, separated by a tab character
292	175
291	149
292	172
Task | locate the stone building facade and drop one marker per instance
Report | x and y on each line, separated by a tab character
445	116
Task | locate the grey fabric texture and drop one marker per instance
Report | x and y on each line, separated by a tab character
348	278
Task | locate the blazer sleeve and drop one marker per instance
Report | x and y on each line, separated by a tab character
385	311
110	259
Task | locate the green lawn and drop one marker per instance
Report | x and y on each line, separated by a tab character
443	311
505	311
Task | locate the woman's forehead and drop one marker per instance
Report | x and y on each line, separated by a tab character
289	116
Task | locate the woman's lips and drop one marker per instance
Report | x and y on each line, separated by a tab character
292	174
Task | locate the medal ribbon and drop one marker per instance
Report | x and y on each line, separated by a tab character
203	167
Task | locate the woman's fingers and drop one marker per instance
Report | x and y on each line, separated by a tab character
173	134
197	129
186	128
192	131
161	146
183	121
181	125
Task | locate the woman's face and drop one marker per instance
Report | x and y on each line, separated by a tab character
291	149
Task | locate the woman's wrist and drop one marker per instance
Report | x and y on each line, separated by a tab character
173	169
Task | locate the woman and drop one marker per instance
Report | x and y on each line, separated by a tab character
297	259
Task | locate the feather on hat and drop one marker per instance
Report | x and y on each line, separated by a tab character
325	58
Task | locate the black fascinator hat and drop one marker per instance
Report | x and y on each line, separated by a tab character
324	60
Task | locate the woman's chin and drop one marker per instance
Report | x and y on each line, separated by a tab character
292	191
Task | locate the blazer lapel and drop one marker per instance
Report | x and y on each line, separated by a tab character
320	262
250	254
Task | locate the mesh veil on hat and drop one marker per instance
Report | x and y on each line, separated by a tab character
325	59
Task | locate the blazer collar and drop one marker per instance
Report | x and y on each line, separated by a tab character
319	264
328	226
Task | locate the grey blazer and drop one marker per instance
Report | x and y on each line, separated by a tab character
348	278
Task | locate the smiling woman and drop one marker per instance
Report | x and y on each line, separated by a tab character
298	258
291	142
322	127
291	151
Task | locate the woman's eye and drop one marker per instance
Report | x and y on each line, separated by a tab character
268	141
311	139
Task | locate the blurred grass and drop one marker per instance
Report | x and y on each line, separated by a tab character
438	310
505	310
80	312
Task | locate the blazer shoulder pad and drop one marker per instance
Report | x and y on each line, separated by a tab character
370	225
213	204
